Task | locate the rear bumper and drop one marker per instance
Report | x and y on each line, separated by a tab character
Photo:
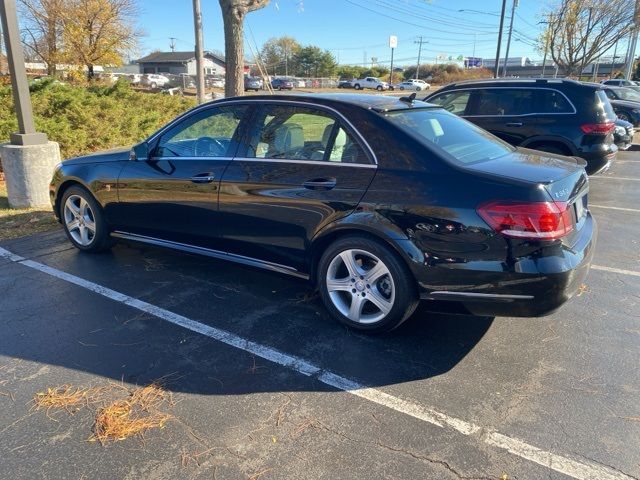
599	159
527	287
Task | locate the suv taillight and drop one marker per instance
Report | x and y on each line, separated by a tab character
533	221
598	128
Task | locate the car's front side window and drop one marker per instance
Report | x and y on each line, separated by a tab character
455	102
301	133
208	133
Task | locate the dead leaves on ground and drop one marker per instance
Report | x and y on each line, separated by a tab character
121	412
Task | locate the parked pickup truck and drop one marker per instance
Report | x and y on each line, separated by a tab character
370	82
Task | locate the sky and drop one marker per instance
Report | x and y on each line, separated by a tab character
354	30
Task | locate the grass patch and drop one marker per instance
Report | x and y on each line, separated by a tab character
22	222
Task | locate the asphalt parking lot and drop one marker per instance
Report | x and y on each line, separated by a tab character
265	385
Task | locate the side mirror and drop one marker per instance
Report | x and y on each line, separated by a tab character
139	152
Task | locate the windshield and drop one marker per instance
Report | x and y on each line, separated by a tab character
462	141
628	94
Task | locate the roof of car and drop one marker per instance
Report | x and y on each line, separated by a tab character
379	103
531	82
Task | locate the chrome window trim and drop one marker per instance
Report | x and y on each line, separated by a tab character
226	159
575	111
249	101
304	162
209	252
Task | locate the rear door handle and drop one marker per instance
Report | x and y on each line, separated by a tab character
514	124
203	178
320	184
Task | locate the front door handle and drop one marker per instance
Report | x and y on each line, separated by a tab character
203	178
320	184
514	124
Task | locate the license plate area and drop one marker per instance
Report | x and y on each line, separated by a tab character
580	208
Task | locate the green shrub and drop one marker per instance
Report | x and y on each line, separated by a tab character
86	119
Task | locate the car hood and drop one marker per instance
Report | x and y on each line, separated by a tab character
112	155
625	103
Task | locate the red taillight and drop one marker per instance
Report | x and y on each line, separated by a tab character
598	128
534	221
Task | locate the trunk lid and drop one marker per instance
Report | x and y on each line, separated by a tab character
563	178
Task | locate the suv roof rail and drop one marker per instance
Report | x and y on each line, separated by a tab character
514	80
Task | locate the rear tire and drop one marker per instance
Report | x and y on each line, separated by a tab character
83	221
379	88
365	286
624	116
357	86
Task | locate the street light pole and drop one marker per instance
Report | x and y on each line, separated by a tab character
20	87
197	23
584	50
496	70
506	56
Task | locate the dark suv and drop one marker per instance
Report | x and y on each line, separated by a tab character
555	115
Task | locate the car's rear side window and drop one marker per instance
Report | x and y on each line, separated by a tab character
459	140
603	108
302	133
504	101
552	101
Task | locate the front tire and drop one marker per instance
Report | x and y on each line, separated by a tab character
365	286
83	220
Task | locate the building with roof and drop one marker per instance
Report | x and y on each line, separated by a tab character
181	62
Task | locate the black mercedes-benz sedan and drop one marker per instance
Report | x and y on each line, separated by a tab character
380	201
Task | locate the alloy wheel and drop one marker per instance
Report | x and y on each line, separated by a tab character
360	286
79	220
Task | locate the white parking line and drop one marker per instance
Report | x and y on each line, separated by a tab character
636	210
615	270
578	469
610	177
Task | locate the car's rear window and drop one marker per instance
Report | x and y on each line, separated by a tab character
458	139
604	110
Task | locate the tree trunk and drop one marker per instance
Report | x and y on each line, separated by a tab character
234	50
90	73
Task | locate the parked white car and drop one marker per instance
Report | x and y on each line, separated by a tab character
370	82
154	80
217	83
413	84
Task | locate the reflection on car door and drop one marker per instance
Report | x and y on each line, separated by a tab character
301	169
174	194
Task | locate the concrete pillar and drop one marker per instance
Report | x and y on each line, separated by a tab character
28	170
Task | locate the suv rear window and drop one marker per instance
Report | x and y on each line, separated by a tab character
604	110
458	139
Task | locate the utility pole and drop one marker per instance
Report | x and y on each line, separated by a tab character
172	43
634	41
420	41
496	70
613	61
546	42
393	43
506	56
197	23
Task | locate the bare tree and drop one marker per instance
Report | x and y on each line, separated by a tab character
233	13
582	30
42	30
99	31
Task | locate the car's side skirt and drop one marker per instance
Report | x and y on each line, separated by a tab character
473	296
254	262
